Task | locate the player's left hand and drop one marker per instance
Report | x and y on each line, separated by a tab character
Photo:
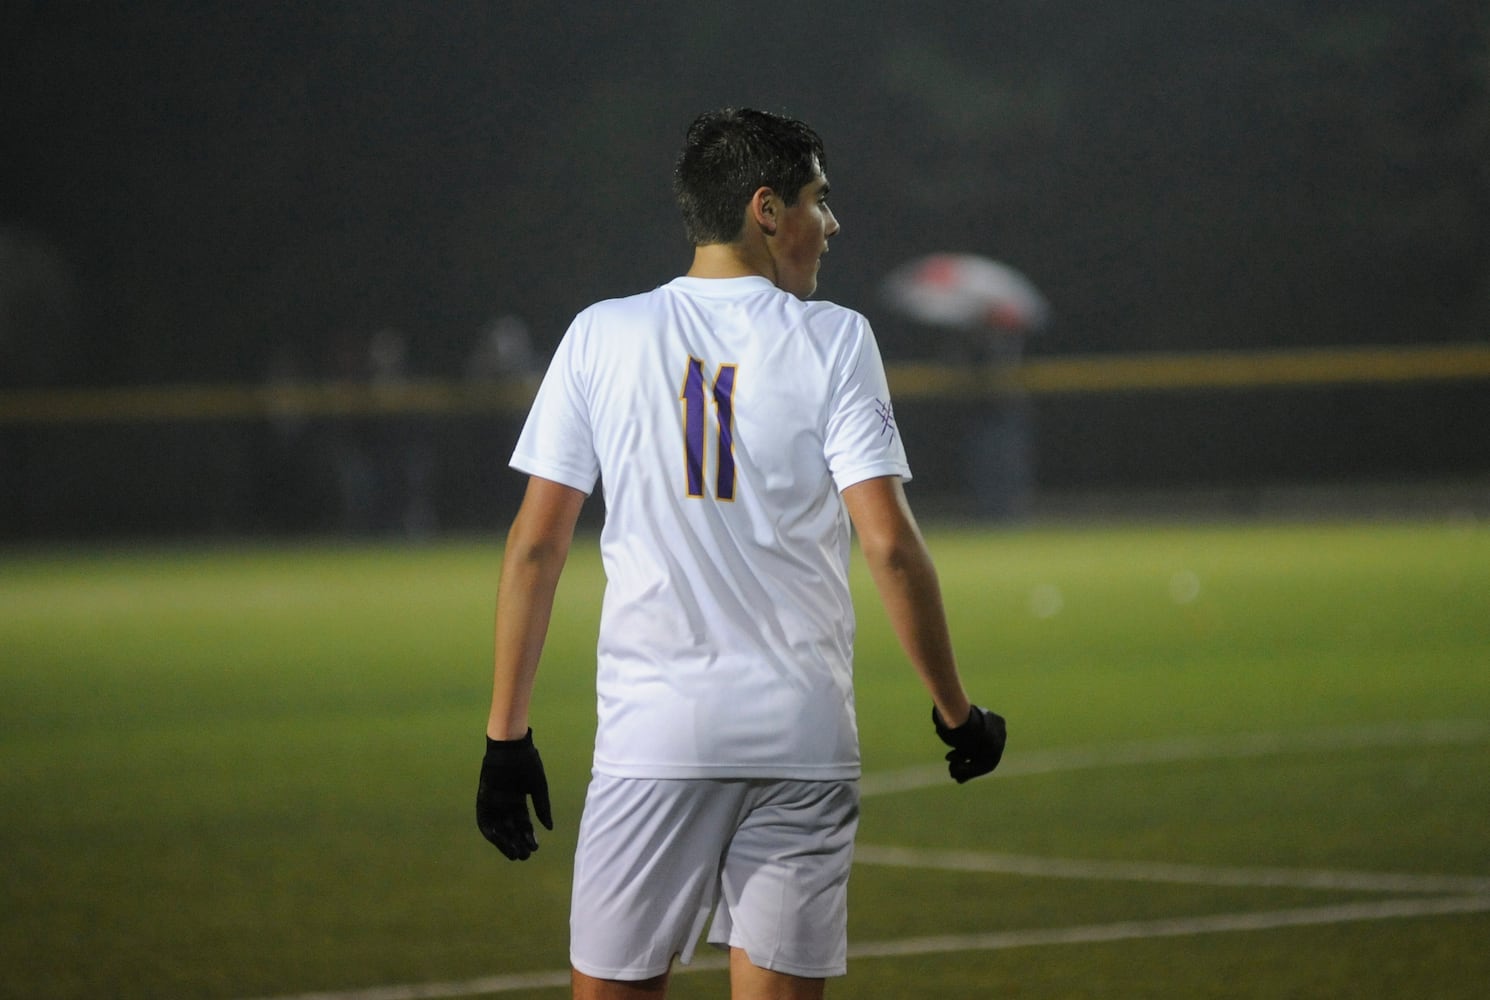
510	772
977	745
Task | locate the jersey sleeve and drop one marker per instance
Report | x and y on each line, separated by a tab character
862	441
557	440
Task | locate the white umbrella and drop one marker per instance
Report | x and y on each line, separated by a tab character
967	292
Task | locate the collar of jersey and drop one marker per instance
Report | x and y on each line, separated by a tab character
723	287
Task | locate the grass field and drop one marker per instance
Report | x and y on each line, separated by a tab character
1244	762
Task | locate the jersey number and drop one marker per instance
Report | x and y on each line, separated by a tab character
693	429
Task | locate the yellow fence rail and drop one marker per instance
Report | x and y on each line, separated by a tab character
1037	376
1228	370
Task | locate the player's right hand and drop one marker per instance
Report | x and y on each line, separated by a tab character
977	745
510	772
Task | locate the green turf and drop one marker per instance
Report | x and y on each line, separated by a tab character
249	771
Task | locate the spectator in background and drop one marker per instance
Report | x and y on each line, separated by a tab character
503	350
981	312
383	458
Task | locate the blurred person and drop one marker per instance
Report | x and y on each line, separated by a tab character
285	456
348	439
501	364
503	350
739	430
979	313
403	456
384	462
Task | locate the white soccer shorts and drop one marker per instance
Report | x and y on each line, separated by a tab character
768	858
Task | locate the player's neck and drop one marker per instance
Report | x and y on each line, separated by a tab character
730	260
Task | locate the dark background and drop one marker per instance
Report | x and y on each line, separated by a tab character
218	192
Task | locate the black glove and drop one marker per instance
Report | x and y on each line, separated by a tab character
510	772
976	745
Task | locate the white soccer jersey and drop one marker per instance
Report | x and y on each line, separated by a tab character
722	417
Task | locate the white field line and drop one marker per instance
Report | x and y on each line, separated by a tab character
441	991
1240	746
1130	930
1142	871
1127	930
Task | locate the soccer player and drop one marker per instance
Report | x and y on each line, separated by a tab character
738	430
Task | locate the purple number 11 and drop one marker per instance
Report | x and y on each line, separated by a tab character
693	429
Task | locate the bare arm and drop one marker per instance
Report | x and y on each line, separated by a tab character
906	579
537	547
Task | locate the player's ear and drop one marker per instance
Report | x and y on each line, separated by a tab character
764	205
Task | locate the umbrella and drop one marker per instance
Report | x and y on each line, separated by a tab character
967	292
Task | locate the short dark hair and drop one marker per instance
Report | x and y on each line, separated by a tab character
728	155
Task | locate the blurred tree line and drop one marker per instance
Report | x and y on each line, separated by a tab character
193	190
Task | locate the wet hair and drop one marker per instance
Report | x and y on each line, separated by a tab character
728	155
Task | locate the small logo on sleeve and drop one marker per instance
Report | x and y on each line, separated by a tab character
886	414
